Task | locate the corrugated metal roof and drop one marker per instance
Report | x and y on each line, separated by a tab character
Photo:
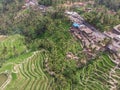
76	25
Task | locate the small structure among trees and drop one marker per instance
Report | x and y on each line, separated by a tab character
117	28
115	43
29	3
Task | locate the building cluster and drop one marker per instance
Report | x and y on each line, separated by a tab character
89	36
29	3
114	46
70	55
34	3
92	39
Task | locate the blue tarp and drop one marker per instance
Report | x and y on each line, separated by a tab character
76	25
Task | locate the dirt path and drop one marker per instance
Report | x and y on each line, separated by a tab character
113	82
6	83
2	37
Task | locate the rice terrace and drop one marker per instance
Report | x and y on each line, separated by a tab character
59	45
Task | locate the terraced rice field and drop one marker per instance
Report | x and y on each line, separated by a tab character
29	75
96	76
3	78
28	72
12	46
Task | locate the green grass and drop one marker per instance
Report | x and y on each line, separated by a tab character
14	76
12	47
12	51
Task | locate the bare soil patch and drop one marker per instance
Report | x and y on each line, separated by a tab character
2	37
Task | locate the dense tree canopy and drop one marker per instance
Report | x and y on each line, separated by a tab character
112	4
